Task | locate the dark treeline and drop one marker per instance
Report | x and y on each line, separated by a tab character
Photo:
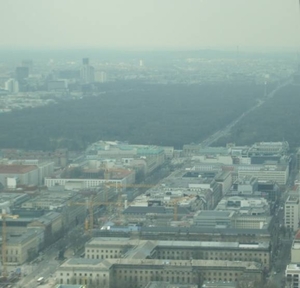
276	120
157	114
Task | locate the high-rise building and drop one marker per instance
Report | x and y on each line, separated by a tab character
87	72
21	73
85	61
28	64
291	213
12	86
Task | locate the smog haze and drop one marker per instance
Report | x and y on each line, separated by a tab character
156	24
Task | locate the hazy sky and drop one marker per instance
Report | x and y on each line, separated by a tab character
149	24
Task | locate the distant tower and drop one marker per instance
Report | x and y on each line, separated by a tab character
28	64
85	61
87	72
141	63
12	86
21	73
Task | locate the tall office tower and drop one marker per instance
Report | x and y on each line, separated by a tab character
12	86
87	72
21	73
28	64
85	61
291	213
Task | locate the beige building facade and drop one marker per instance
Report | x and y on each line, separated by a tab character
291	213
127	273
18	248
112	248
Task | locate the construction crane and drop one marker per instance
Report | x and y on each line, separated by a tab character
89	223
174	203
4	216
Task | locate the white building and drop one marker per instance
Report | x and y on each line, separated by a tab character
277	173
25	174
292	274
78	184
291	213
214	159
12	86
100	76
45	168
87	74
295	250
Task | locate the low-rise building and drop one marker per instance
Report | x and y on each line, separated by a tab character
154	156
292	274
219	284
120	178
51	224
24	174
269	190
295	250
59	156
266	172
126	273
70	286
108	248
244	205
19	248
214	219
61	201
163	284
193	233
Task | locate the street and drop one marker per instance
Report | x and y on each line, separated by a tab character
223	132
45	268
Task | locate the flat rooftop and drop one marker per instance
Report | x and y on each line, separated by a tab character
161	284
92	264
293	267
219	284
16	169
292	199
110	241
95	264
188	263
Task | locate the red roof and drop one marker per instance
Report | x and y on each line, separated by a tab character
16	169
297	236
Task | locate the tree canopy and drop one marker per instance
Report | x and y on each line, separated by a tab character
276	120
151	114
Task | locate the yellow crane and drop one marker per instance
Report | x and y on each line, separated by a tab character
174	203
4	216
89	223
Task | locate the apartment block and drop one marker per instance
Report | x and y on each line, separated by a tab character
292	274
291	213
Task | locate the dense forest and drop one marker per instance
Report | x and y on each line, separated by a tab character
278	119
152	114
